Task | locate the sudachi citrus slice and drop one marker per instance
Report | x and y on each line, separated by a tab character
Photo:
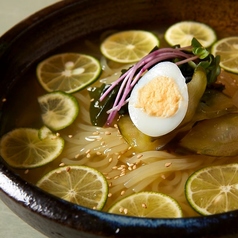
82	185
213	189
68	72
227	48
128	46
182	33
59	109
147	204
22	148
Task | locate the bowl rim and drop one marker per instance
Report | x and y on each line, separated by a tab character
31	197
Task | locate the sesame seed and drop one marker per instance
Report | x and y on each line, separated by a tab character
96	133
26	171
122	173
92	100
139	156
109	195
123	170
62	164
98	153
87	151
70	136
88	155
107	133
76	156
116	177
121	209
110	160
103	143
134	166
68	169
125	210
94	208
122	192
4	100
57	134
143	205
108	178
168	164
110	184
114	167
163	176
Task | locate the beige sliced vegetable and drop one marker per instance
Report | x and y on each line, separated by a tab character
215	137
135	137
214	104
196	88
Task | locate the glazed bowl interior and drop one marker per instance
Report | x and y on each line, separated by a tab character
43	34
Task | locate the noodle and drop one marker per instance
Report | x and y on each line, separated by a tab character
144	184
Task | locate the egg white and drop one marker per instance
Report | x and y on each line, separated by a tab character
152	125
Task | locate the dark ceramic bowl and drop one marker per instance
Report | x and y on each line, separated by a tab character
51	28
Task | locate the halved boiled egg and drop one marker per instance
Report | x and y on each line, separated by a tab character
159	101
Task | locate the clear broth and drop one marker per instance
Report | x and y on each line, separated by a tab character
21	108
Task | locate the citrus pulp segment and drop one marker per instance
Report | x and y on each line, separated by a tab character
59	109
147	204
82	185
213	189
182	33
22	148
68	72
128	46
227	48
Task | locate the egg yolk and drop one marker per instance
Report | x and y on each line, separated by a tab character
160	97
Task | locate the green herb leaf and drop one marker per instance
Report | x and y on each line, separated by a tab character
207	61
198	49
98	109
